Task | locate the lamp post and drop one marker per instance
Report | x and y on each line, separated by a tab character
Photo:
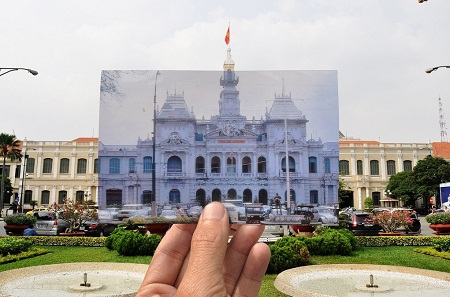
429	70
154	210
2	188
34	72
24	178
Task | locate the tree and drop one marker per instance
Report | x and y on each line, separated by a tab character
10	148
403	187
429	173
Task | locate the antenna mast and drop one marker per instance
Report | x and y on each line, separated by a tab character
442	123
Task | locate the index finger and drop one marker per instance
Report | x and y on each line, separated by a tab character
170	255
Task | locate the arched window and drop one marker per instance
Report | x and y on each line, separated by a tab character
407	165
30	165
374	167
174	196
64	165
45	197
81	166
247	196
62	195
79	196
28	195
174	165
48	163
291	164
246	165
344	167
231	164
114	166
262	165
215	164
216	195
200	165
390	167
200	196
232	194
312	164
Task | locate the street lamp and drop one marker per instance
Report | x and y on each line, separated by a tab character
429	70
24	178
34	72
154	210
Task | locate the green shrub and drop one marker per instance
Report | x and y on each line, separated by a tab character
442	244
149	244
132	243
113	237
20	219
329	243
351	237
128	244
287	252
13	246
438	218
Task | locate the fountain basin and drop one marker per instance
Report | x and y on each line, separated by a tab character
106	279
350	280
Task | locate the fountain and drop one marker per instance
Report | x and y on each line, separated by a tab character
351	280
71	279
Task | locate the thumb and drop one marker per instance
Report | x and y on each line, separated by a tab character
208	248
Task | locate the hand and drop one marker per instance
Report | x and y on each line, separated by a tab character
197	260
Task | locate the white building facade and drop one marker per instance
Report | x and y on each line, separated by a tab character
226	157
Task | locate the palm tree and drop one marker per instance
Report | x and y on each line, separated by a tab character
10	148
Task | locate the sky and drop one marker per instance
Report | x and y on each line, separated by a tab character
380	50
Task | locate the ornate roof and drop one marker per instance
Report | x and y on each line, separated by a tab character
175	108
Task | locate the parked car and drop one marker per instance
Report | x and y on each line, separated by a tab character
254	213
194	211
105	216
241	213
168	214
97	228
326	215
360	223
415	228
267	211
114	212
129	210
31	212
49	223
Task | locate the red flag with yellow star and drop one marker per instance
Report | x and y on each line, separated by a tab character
227	36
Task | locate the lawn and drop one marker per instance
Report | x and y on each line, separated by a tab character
396	255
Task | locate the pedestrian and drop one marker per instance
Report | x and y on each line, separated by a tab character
29	231
277	200
179	212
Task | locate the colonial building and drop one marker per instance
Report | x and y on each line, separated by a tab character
52	171
365	167
226	157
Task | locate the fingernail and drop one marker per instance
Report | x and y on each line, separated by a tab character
213	211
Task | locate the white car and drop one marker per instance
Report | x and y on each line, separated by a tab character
326	215
132	210
168	214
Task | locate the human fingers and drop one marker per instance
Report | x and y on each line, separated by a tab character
203	276
169	256
237	252
254	270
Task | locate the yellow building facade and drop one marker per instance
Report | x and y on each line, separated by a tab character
53	171
365	167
